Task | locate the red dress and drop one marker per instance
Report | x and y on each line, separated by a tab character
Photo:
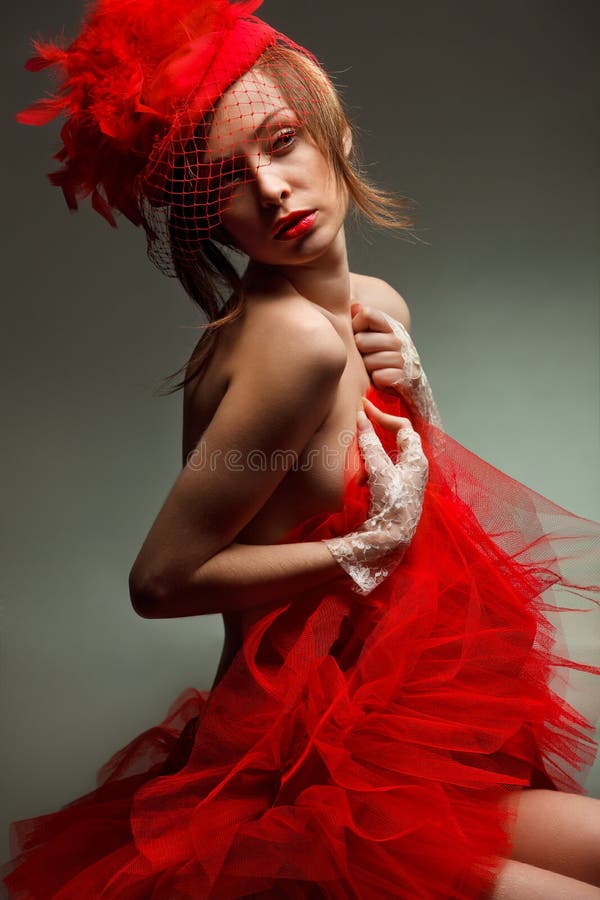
356	747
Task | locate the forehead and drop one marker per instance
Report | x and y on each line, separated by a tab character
241	110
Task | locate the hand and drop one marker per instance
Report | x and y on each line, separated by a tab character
383	351
371	552
392	360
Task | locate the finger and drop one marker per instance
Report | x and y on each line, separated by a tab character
400	425
368	440
380	470
394	380
410	452
407	438
384	359
375	341
397	327
386	420
399	340
369	318
375	456
377	462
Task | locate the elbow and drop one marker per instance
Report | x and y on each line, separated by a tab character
167	598
148	598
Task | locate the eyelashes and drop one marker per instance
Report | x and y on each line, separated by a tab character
235	170
283	139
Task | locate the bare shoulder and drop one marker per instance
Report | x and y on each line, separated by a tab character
275	324
271	321
371	291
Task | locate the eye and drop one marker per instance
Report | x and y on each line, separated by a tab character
283	139
231	172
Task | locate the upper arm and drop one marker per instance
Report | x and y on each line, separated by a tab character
383	296
284	383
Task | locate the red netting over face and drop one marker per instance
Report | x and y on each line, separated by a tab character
241	152
149	132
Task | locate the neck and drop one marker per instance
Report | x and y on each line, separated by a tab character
324	281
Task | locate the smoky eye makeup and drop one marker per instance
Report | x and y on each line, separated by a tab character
282	134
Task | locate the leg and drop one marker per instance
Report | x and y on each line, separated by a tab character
519	881
559	832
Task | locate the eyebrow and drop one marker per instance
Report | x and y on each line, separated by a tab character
219	160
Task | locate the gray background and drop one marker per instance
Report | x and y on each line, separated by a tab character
486	114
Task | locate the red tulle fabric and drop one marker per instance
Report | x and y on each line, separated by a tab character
356	747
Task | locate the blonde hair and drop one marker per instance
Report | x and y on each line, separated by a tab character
211	280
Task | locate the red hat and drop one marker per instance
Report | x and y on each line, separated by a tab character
127	78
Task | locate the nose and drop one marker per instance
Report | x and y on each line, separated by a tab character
271	184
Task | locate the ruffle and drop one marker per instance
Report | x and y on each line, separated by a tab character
357	747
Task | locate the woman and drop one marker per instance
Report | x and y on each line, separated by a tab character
351	746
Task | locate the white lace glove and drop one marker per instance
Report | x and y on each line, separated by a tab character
412	383
392	368
374	550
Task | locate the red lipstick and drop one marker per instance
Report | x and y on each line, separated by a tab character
295	225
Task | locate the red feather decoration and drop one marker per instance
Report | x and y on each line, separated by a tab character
121	80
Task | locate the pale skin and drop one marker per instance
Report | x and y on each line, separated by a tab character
214	541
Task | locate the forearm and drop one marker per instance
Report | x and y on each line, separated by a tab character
243	576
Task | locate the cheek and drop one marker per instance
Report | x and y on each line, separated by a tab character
236	218
330	188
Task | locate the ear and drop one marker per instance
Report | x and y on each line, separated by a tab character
347	141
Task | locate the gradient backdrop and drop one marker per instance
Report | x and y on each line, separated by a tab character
486	114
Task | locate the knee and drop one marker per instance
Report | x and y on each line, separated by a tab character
520	881
559	832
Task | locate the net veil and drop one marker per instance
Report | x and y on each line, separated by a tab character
169	113
209	159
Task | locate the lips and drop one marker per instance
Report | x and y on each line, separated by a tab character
294	224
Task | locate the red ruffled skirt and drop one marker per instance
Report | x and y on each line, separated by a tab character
357	747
